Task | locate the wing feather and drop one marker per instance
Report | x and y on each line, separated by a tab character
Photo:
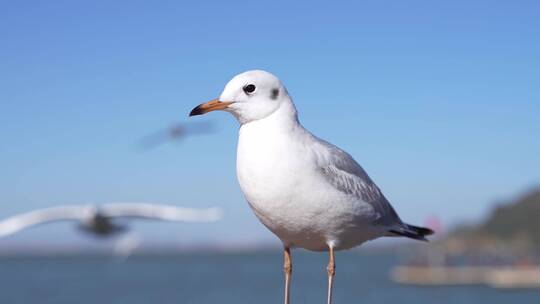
347	176
160	212
18	222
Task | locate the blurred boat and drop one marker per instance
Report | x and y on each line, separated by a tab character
504	276
514	277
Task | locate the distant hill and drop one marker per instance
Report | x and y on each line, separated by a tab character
514	223
520	219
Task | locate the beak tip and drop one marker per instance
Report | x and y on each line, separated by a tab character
196	111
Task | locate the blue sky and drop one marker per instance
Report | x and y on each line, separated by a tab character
438	101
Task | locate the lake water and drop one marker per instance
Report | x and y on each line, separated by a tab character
224	278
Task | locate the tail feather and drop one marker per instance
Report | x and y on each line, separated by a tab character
413	232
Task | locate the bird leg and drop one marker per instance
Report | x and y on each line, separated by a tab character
287	268
331	272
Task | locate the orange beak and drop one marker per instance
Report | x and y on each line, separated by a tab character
210	106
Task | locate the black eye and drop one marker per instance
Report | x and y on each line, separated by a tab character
250	88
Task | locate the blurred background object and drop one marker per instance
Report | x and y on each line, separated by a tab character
176	133
447	91
100	220
502	251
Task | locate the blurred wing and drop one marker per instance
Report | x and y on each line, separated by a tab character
161	212
42	216
175	132
347	176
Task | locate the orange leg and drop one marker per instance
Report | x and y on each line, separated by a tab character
331	272
287	268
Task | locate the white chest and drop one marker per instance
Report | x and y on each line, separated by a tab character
268	166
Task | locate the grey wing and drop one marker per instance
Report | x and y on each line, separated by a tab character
160	212
346	175
18	222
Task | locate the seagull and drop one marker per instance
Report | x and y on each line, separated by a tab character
308	192
100	220
175	132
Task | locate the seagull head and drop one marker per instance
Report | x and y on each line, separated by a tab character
250	96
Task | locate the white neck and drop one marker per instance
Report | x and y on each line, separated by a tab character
285	117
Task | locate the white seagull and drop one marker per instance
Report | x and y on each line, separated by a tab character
308	192
100	220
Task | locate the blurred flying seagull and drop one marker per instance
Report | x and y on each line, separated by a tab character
308	192
175	132
100	220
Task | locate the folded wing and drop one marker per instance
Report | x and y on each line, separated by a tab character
347	176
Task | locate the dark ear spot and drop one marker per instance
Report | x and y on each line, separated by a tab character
275	93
